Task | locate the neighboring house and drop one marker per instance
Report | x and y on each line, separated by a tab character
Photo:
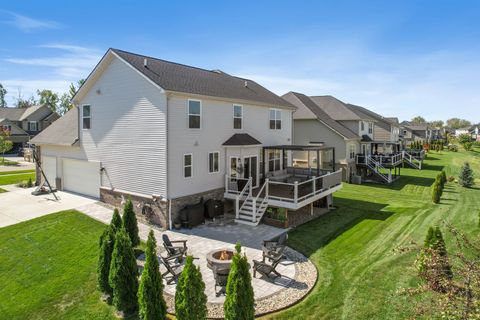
415	132
169	135
25	123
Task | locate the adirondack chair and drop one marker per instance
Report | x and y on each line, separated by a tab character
172	267
174	250
220	275
274	248
265	268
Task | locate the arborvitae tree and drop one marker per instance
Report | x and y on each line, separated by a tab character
436	190
150	293
444	177
130	223
466	179
104	259
123	276
190	298
239	303
441	248
116	221
439	179
434	243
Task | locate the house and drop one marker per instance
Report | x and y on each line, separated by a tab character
351	129
168	135
25	123
415	132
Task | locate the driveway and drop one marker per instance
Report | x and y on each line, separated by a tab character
19	205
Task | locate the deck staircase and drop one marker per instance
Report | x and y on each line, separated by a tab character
250	208
413	161
377	169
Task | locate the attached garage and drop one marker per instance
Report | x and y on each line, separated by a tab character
81	176
49	167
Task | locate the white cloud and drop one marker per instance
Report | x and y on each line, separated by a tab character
25	23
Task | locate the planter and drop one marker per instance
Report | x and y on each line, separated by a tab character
283	224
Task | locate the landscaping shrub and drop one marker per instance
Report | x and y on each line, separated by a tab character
130	223
239	302
466	179
467	146
123	274
439	179
29	183
436	192
444	177
116	221
150	293
190	298
104	259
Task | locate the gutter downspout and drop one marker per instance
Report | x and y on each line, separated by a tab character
167	97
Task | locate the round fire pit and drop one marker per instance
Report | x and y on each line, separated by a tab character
221	258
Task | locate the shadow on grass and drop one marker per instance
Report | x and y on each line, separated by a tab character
310	237
403	181
427	166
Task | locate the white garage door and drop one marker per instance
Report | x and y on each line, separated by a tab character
49	167
82	177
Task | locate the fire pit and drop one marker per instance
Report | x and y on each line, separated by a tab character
221	258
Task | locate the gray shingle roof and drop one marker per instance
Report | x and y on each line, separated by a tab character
13	114
362	112
299	99
336	109
63	131
241	139
181	78
381	121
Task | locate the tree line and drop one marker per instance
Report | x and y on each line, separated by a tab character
454	123
57	102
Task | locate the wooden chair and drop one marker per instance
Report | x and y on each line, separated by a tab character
265	268
173	250
172	268
275	247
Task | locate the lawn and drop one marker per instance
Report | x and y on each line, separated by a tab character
2	173
16	177
48	269
353	246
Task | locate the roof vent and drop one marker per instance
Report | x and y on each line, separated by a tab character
246	84
145	62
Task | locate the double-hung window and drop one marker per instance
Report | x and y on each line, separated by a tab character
86	117
362	126
275	119
33	126
187	165
352	151
213	160
194	114
274	160
370	128
237	116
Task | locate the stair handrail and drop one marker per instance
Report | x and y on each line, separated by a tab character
248	187
375	167
264	200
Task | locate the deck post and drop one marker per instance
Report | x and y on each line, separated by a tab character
295	192
226	183
266	187
314	181
237	206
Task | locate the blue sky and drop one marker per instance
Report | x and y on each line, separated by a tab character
399	58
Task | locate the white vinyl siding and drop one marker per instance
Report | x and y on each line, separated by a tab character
275	122
187	165
213	162
194	114
86	117
237	116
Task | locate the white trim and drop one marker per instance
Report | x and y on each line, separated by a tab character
241	117
218	162
30	127
191	165
188	114
275	118
257	174
90	116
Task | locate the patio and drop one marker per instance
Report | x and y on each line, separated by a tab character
298	273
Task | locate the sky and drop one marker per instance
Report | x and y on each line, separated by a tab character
397	58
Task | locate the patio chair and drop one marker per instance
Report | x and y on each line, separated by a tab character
172	267
265	268
221	276
274	247
172	250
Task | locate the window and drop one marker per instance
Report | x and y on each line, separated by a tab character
213	158
86	117
194	114
187	165
237	116
274	160
352	151
362	126
33	126
370	127
275	119
7	127
235	164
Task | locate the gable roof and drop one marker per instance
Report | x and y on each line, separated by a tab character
363	113
382	122
177	77
336	109
20	114
63	131
241	139
300	100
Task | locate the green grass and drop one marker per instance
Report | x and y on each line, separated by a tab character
353	246
16	178
16	171
48	269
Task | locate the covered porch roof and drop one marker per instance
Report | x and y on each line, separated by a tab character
293	147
